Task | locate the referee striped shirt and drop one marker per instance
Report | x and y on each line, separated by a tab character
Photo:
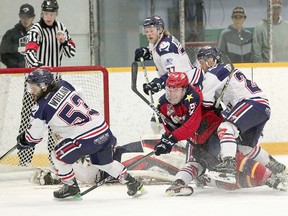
43	48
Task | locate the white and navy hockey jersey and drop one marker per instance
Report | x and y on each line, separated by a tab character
239	88
67	115
169	56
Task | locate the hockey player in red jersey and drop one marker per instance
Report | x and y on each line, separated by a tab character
182	104
83	130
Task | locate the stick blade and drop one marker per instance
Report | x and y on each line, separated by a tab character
134	72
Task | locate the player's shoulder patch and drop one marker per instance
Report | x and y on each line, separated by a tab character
167	45
221	71
192	96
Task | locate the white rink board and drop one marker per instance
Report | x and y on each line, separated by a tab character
130	116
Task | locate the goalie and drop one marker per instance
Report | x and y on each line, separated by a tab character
182	105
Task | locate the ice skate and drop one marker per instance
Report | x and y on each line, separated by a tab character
227	166
201	181
278	181
68	191
178	188
135	187
276	167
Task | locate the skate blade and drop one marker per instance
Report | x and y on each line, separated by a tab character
185	191
224	177
140	192
76	197
282	187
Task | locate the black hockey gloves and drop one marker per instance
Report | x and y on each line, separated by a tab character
165	145
21	142
154	86
142	52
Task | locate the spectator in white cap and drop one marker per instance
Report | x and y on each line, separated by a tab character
235	41
13	42
279	32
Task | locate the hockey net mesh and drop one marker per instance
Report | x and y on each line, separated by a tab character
91	80
193	47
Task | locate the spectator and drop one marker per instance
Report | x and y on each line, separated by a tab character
280	31
14	40
236	41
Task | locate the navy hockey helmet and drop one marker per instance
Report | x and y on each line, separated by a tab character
50	6
156	21
42	77
209	52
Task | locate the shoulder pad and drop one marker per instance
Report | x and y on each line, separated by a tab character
167	45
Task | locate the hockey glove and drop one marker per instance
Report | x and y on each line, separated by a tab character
165	145
142	52
22	143
154	86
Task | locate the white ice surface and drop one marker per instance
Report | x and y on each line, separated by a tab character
22	198
18	197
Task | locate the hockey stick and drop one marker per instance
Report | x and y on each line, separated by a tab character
150	93
134	70
226	84
8	152
109	178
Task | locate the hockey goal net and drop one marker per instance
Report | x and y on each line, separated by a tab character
91	80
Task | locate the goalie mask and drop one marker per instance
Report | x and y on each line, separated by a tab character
176	86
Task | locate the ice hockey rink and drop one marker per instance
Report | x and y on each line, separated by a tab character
19	197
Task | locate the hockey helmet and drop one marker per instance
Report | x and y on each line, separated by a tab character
177	80
42	77
156	21
50	6
209	52
176	86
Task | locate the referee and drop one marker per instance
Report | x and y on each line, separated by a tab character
47	41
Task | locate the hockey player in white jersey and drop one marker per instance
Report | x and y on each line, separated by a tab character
167	53
247	111
168	56
83	130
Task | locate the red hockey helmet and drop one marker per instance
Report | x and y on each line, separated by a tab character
177	80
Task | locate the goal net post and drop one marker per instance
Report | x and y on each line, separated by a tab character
91	80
